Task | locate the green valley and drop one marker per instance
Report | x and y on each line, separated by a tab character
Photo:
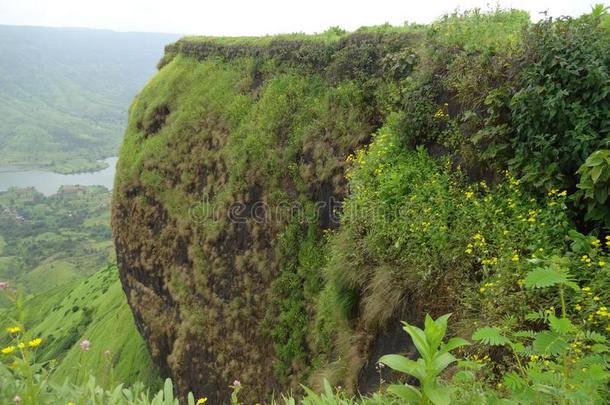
49	241
64	93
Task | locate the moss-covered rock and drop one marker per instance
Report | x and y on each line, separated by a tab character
228	150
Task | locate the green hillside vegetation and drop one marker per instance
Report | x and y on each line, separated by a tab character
64	93
57	249
94	309
454	148
49	241
283	203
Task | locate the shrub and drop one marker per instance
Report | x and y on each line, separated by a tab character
594	187
561	111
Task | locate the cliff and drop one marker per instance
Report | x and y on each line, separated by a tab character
237	256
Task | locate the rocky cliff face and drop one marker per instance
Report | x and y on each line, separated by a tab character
230	172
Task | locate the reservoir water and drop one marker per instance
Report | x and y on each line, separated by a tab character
48	182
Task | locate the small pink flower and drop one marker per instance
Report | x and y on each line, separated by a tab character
3	286
17	399
236	383
85	345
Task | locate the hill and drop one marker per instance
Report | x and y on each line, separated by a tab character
92	308
65	93
281	203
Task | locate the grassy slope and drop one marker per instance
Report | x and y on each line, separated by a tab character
54	247
93	309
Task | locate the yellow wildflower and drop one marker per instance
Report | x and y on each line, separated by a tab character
13	329
563	193
578	307
601	263
585	289
8	350
21	345
515	258
202	400
35	343
482	289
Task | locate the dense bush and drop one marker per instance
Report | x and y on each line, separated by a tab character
561	111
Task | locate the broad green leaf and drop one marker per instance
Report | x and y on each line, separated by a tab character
168	390
435	330
437	394
454	343
419	339
491	336
594	159
404	365
441	361
328	390
595	172
312	397
406	392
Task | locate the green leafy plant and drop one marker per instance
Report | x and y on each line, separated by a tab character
435	358
594	186
564	363
559	115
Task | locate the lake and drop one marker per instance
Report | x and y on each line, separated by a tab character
48	182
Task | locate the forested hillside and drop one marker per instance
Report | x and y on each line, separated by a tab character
64	93
49	241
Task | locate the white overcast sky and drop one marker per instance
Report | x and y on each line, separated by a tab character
251	17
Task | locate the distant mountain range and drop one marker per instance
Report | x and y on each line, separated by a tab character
65	92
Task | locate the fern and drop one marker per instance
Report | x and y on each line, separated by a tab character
491	336
550	343
542	277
